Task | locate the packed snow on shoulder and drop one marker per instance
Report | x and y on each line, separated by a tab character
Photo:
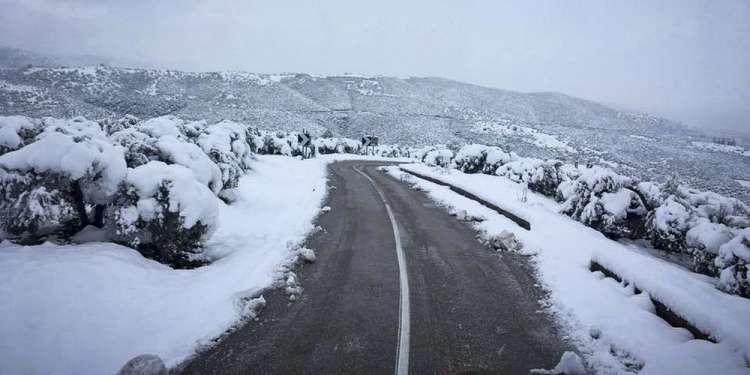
614	327
89	308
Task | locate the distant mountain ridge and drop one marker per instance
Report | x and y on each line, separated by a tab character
18	58
414	110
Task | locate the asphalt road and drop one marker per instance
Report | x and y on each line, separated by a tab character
470	310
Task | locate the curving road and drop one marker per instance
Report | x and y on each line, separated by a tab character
465	309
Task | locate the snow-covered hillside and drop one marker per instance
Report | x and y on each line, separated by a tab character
412	110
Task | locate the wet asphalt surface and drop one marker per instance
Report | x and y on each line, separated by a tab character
473	310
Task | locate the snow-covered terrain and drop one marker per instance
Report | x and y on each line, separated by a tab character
406	111
717	147
533	136
93	214
615	327
88	308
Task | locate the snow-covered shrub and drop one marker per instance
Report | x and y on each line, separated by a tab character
111	126
71	166
602	199
667	225
717	208
439	157
162	211
189	155
158	127
326	146
541	176
388	151
703	241
139	147
278	143
167	141
650	193
17	131
733	260
229	145
470	158
476	158
495	157
619	215
348	146
678	210
34	205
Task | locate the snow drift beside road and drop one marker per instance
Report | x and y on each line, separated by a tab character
89	308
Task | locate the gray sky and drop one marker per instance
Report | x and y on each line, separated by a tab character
686	60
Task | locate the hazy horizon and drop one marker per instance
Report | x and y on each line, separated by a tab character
685	61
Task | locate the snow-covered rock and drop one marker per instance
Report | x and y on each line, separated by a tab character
505	241
306	254
144	364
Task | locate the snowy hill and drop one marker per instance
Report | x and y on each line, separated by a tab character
400	110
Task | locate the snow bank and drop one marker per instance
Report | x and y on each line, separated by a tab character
628	334
90	308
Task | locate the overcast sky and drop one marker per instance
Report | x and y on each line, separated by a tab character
686	60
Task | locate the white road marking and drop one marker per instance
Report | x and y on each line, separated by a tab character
402	350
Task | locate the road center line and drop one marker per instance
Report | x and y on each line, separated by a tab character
402	350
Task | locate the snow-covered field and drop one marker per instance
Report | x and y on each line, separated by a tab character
615	328
89	308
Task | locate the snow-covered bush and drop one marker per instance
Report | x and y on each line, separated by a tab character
189	155
495	157
71	167
541	176
229	145
111	126
17	131
437	156
602	199
164	212
703	241
158	127
717	208
470	158
667	225
476	158
349	146
34	205
152	184
733	260
650	193
167	139
326	146
388	151
278	143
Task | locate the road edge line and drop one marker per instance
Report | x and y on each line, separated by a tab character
402	350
